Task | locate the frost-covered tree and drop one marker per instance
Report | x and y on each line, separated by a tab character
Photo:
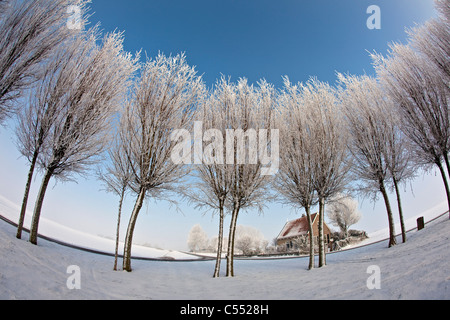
329	147
86	90
214	241
433	39
163	102
197	239
417	76
116	176
343	212
248	109
398	157
315	155
370	138
213	176
31	30
46	100
249	240
295	179
397	152
421	95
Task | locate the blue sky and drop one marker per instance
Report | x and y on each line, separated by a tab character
262	38
241	38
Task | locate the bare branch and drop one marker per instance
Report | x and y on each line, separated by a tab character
31	30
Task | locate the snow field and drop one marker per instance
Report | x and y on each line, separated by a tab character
418	269
56	231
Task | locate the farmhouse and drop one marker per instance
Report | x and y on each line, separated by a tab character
295	235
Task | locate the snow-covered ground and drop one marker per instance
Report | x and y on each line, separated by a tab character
418	269
56	231
410	224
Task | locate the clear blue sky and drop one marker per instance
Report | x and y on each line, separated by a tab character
262	38
238	38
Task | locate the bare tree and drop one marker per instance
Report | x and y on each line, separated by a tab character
214	176
369	143
443	7
248	109
93	81
197	239
45	103
343	212
398	155
211	192
295	179
318	132
329	147
421	95
116	177
249	240
163	104
31	30
433	39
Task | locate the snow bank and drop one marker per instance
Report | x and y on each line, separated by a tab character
67	235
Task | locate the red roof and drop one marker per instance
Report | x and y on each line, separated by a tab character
296	228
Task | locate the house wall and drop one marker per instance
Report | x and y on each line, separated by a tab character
291	244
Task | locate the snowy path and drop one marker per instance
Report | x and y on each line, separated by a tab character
419	269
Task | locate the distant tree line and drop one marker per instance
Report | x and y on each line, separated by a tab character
249	241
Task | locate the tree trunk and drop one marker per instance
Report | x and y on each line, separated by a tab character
130	230
230	253
311	239
116	255
400	210
392	241
444	178
38	206
219	243
322	258
447	163
25	196
345	227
